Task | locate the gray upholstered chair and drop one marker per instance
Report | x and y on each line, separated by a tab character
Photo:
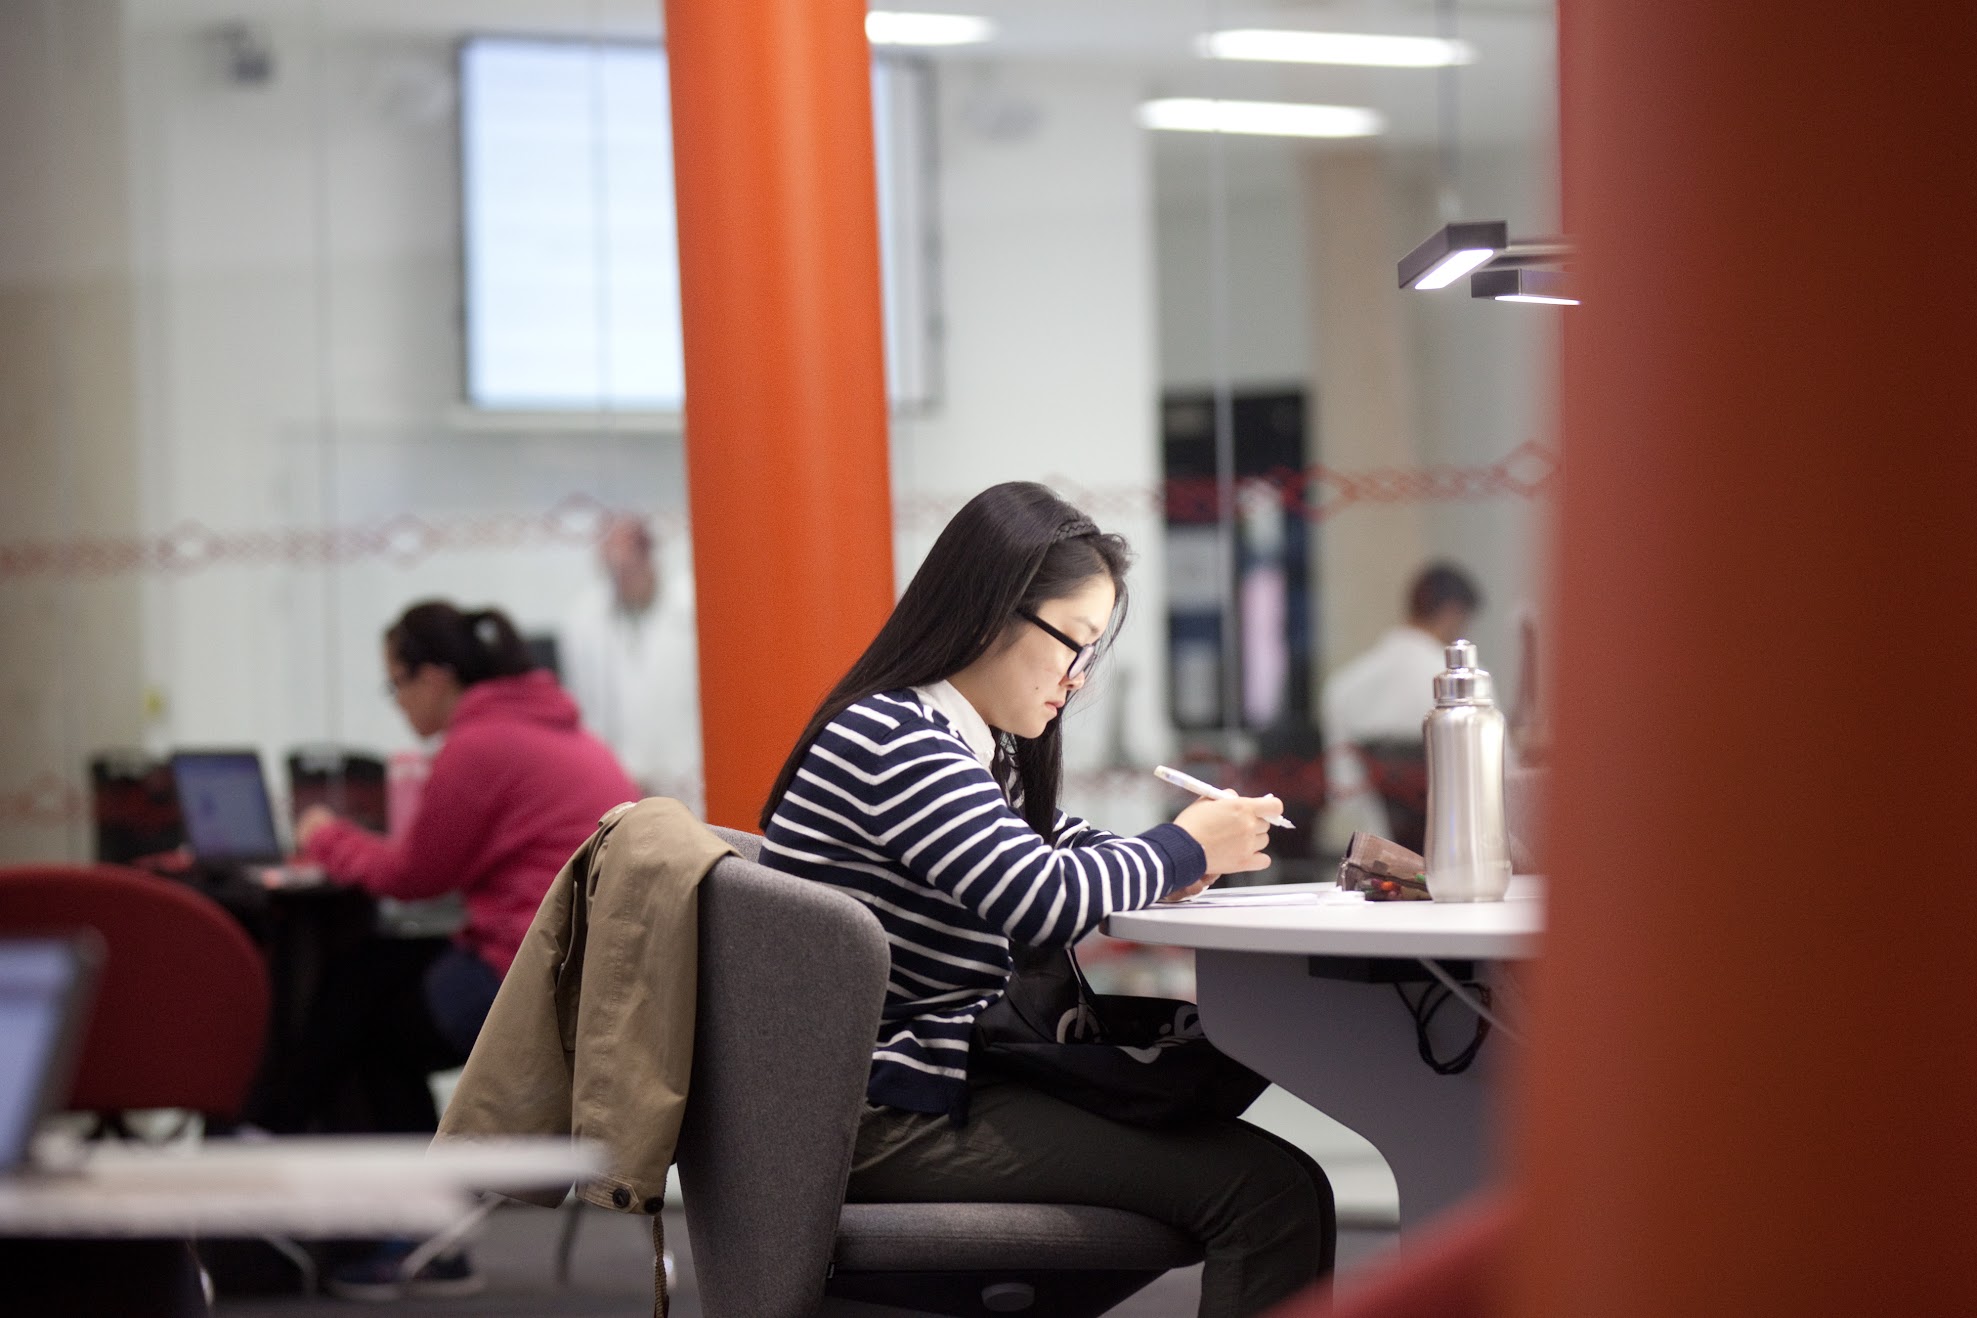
792	976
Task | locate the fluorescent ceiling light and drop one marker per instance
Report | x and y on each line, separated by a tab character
1451	252
1453	266
894	29
1336	48
1268	118
1548	287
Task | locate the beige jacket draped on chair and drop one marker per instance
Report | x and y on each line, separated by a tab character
592	1032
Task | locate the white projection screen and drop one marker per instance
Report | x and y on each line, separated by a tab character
570	258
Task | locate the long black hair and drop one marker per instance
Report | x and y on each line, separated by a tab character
1012	547
475	644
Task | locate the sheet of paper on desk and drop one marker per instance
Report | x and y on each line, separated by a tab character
1258	897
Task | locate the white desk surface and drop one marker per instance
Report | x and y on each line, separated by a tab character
295	1187
1307	919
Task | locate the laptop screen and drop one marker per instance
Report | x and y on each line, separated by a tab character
224	799
44	995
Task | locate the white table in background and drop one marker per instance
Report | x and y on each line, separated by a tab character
300	1187
1348	1046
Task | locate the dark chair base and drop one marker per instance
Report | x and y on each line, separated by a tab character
1034	1293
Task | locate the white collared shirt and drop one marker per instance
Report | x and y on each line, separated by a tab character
943	698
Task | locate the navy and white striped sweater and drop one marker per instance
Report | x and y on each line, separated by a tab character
890	805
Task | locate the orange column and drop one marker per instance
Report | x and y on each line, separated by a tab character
785	378
1750	1084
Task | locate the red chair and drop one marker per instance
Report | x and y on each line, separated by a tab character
181	1008
1446	1269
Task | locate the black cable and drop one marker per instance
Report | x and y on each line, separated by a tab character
1433	999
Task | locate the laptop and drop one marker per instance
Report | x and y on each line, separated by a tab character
46	986
229	820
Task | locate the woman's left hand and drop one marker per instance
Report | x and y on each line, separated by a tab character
311	823
1182	894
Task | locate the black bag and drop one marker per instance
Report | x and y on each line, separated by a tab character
1142	1060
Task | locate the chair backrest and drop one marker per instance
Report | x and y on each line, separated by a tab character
133	806
748	844
792	978
181	1010
352	783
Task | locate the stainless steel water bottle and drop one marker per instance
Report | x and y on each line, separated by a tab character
1468	843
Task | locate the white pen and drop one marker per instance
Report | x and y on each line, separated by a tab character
1200	788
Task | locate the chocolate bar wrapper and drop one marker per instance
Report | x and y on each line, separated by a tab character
1385	871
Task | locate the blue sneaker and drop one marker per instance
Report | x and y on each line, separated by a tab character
380	1275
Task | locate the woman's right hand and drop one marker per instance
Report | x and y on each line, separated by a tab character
1232	832
311	823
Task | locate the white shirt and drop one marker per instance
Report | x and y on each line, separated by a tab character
944	698
1381	694
636	677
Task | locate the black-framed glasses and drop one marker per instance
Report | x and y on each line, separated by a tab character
1082	655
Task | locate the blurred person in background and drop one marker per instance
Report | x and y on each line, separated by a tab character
516	788
1372	708
629	657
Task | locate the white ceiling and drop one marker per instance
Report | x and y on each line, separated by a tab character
1507	96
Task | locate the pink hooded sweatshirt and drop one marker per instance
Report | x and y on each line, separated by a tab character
515	790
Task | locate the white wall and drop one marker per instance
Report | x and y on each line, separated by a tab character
301	360
294	311
1484	381
1478	375
1258	223
1049	360
301	355
68	671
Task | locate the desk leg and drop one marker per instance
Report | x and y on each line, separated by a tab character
1349	1050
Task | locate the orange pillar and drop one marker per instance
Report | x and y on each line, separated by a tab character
785	376
1749	1088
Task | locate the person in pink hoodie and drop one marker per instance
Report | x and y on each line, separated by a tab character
516	788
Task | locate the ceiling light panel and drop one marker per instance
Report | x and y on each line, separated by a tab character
1265	118
1358	48
889	28
1546	287
1451	252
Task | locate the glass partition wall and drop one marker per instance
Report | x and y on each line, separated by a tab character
249	440
1325	435
253	275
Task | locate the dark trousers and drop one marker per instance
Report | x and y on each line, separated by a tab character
1261	1208
388	1013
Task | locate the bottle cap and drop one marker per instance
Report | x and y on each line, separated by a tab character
1462	683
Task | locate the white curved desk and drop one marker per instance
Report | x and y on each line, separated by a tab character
1290	983
1260	920
119	1214
302	1186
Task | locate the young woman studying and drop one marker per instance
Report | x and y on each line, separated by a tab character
926	786
517	786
